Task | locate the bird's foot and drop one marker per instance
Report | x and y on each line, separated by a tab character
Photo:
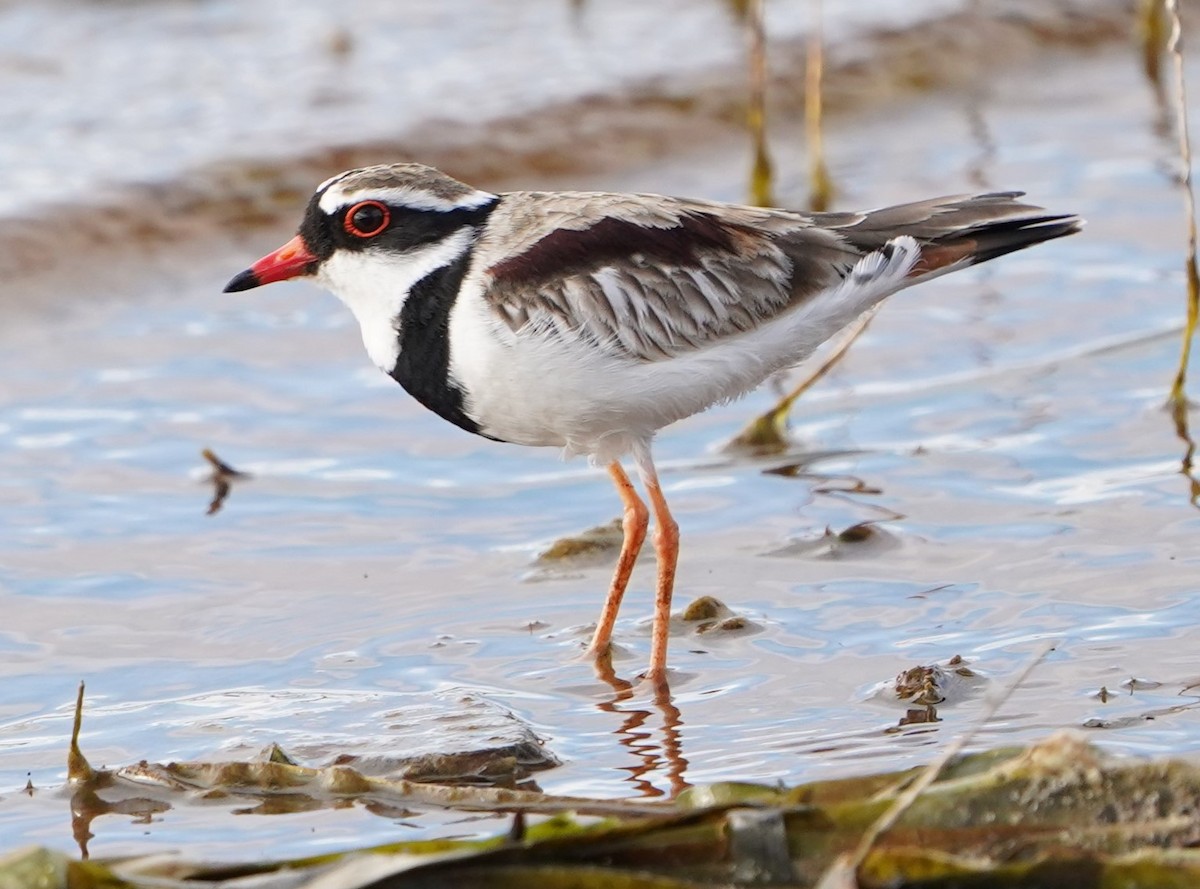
601	658
655	680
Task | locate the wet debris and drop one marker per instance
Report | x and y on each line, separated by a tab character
931	684
454	738
78	769
221	478
1133	684
859	539
591	545
507	766
516	833
480	780
1133	702
859	533
1135	715
708	614
924	594
145	789
1007	817
734	624
796	469
275	753
852	486
925	687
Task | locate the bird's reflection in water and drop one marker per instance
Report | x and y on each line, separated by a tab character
654	758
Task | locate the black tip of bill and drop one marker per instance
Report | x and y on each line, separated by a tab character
242	281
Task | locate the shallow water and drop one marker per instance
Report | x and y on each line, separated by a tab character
101	94
1028	489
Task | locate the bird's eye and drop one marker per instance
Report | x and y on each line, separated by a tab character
367	219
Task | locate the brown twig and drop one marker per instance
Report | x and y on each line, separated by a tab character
1152	36
766	433
78	768
820	185
1178	399
761	173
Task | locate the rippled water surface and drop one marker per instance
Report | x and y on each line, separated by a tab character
99	94
1006	426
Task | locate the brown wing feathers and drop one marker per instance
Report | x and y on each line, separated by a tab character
649	288
653	286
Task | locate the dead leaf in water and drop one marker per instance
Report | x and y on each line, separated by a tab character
222	478
858	540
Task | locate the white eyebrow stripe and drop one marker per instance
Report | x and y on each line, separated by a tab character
328	182
416	198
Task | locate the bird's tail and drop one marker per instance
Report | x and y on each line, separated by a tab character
961	230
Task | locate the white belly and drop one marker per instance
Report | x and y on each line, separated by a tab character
557	391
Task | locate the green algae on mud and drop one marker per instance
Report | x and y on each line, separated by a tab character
1010	817
594	543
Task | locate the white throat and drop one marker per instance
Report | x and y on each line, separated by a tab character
375	284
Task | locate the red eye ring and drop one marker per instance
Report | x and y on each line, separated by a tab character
366	219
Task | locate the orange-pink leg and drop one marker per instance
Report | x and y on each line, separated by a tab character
634	523
666	547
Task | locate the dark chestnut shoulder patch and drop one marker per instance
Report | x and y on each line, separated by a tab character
566	252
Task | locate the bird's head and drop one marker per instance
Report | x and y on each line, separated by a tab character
405	217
